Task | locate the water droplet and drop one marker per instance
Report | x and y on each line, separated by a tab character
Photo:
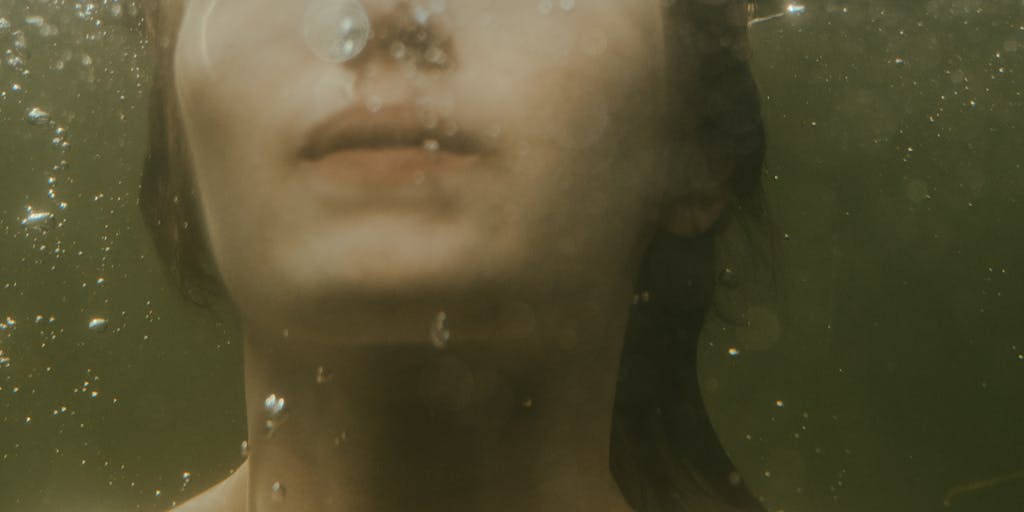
323	375
277	491
527	403
186	477
780	403
157	492
439	333
336	31
98	324
245	449
37	116
5	24
734	352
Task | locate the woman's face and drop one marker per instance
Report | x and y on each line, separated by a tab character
473	146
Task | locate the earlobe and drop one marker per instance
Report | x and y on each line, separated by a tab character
692	217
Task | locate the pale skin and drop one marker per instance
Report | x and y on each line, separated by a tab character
530	251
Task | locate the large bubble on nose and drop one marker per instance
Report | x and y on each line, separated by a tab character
336	30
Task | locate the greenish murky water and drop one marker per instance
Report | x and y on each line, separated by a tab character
887	374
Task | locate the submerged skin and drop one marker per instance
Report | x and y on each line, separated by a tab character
529	247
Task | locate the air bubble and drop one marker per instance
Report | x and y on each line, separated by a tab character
276	413
36	218
439	333
727	277
435	55
277	491
37	116
398	50
735	479
323	375
274	405
98	324
336	31
19	40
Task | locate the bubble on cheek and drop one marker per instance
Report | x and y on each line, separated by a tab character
336	30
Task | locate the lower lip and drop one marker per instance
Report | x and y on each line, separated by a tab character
386	167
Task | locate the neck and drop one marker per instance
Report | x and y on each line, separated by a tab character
507	421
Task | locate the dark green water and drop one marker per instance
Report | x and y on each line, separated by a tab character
888	374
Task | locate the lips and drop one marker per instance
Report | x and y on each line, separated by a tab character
390	128
386	149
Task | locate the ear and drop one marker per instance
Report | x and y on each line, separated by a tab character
692	216
695	196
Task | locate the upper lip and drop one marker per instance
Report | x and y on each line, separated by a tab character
391	126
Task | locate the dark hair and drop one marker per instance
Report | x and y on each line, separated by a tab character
665	454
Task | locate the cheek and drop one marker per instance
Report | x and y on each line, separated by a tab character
575	91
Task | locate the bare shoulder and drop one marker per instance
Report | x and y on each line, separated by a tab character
227	496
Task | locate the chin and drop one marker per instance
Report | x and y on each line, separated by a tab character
398	262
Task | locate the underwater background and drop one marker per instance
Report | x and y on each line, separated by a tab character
881	370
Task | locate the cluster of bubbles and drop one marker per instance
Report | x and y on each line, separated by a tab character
276	413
